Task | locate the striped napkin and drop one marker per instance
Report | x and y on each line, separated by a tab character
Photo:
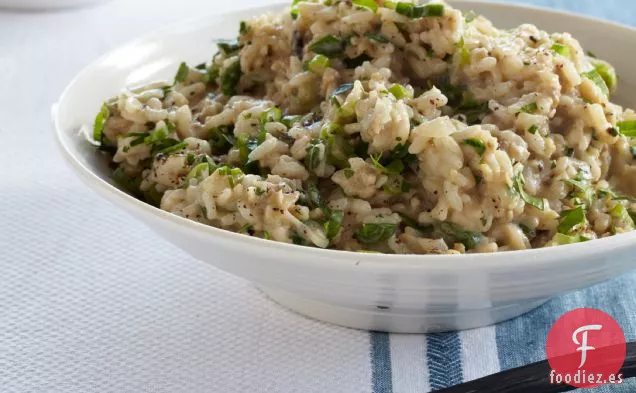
420	363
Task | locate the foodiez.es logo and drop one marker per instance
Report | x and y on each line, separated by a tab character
586	348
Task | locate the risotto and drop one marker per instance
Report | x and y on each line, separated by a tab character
377	126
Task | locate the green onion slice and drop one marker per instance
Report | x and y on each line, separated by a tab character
598	80
100	123
627	128
318	64
370	5
328	45
561	49
570	219
419	11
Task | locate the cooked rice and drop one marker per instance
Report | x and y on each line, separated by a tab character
404	129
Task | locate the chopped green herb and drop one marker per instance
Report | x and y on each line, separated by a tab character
591	54
228	47
413	223
419	11
318	64
598	80
221	139
328	45
348	172
234	175
563	239
395	185
157	136
529	232
395	166
518	186
289	121
333	224
378	37
456	234
200	169
338	149
627	128
533	129
247	228
230	78
267	236
622	214
315	199
100	123
273	114
583	190
375	233
299	240
477	144
561	49
530	108
182	73
570	219
370	5
245	146
467	105
244	27
190	158
173	148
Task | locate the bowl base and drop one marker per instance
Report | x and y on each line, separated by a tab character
402	321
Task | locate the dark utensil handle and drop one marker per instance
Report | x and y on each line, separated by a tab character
533	378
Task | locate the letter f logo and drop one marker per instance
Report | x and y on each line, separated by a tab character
583	344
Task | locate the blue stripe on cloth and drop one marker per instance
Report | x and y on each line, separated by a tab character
444	360
522	340
381	376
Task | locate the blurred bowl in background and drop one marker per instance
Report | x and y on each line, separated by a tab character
44	4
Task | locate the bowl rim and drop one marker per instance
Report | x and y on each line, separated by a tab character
530	258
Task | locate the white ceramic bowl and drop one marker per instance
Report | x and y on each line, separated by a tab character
369	291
